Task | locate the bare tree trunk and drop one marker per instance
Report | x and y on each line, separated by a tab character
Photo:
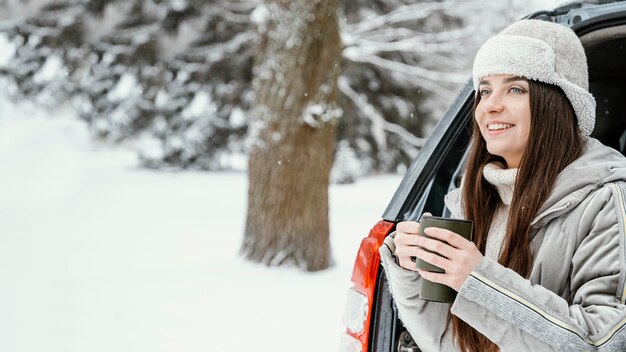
291	136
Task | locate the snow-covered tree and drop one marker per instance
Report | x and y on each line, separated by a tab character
205	106
403	62
174	73
46	52
291	133
125	69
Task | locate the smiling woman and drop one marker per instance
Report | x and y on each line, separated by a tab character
545	269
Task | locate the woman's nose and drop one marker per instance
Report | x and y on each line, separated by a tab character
492	103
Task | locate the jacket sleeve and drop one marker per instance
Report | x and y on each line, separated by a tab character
425	321
594	320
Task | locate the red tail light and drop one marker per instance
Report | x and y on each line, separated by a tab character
365	273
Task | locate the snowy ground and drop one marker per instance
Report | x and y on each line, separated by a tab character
99	255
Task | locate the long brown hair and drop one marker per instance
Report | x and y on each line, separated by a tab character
554	142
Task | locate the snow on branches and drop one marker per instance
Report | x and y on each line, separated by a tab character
177	74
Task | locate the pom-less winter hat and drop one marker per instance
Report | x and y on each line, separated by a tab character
545	52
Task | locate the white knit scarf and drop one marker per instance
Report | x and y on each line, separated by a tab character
504	181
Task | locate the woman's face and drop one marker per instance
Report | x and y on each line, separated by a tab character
503	115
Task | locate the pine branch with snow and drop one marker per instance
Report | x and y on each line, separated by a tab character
177	74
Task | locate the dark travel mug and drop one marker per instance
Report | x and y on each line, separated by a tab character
432	291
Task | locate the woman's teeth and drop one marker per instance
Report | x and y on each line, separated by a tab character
499	126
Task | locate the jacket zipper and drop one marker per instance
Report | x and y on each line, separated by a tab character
550	211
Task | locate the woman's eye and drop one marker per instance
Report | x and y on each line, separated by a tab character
517	90
484	92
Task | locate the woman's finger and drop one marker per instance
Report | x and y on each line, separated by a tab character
409	227
426	214
433	277
433	258
453	239
404	239
407	263
437	246
407	251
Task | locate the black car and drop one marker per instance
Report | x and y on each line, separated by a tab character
371	320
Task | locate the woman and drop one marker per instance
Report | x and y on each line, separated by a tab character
547	267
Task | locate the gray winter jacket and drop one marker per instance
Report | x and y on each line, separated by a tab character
575	297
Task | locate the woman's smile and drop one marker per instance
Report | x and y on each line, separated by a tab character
499	126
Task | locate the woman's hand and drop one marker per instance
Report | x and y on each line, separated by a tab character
406	241
461	256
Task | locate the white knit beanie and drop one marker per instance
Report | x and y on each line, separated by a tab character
545	52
